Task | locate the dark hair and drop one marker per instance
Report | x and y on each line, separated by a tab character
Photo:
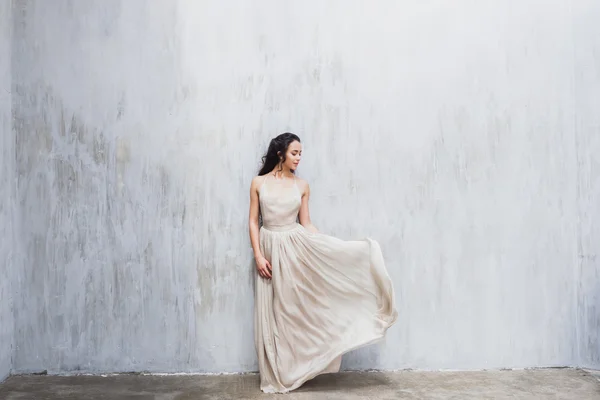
278	147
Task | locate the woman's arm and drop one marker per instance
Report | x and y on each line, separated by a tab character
304	214
262	265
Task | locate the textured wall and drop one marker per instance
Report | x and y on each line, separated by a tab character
587	125
7	194
452	133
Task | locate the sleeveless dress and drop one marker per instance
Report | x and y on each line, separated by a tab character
326	296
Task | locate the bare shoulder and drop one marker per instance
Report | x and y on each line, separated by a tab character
256	182
303	185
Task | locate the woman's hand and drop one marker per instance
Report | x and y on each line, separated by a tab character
263	267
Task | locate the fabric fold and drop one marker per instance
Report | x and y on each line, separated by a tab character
326	297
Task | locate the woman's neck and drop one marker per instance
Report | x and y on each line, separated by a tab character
282	172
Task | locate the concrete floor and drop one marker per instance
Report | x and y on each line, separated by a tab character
529	384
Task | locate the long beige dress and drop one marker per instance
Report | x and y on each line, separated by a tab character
326	296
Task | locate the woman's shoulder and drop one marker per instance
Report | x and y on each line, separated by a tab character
258	180
302	181
302	184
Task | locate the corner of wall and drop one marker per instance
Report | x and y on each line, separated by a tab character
17	253
7	195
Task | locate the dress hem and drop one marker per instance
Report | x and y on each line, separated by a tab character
302	381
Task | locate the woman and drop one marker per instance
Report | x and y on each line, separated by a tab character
317	297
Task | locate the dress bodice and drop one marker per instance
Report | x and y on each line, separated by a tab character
279	204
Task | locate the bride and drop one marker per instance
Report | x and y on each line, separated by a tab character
317	297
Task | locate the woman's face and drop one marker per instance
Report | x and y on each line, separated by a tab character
293	155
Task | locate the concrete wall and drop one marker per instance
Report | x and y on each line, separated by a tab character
7	194
452	133
587	125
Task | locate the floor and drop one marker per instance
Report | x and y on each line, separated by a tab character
524	384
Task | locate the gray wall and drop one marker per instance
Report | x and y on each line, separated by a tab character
462	137
7	194
587	126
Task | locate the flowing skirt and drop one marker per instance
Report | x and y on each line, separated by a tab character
326	297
